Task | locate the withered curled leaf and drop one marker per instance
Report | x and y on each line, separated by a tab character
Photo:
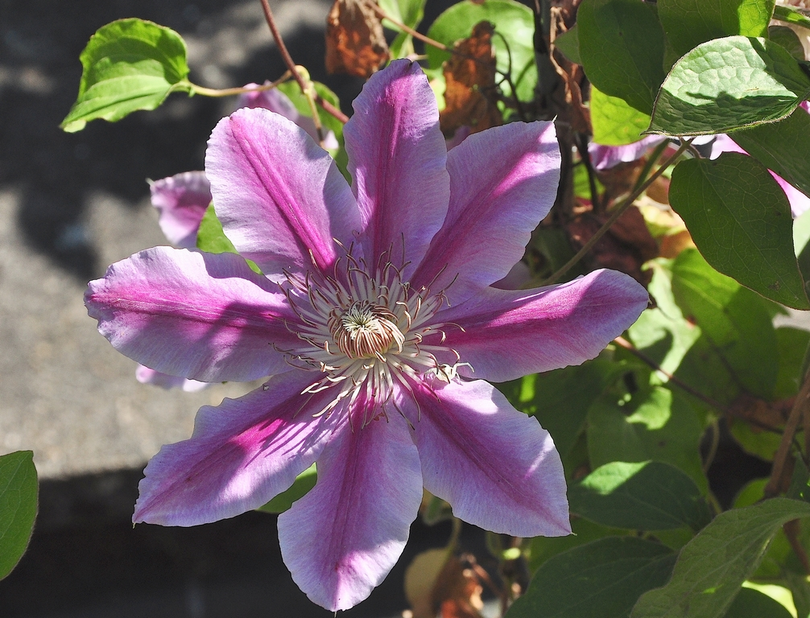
355	43
470	94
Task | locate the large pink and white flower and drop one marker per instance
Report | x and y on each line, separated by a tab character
377	322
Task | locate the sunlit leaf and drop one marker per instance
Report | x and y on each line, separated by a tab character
712	566
688	23
211	238
645	496
728	84
128	65
614	122
302	484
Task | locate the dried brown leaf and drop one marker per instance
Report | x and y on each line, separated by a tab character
355	43
625	247
470	84
436	583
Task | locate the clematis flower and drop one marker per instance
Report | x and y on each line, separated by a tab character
378	324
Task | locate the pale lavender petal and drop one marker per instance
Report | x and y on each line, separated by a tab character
342	538
181	201
496	467
144	375
242	454
518	276
799	202
604	157
278	102
196	315
508	334
397	157
503	182
279	196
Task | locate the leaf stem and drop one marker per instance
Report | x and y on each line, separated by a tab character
291	66
226	92
407	29
616	213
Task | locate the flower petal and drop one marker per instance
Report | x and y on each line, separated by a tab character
503	182
397	157
279	196
144	375
278	102
342	538
181	201
509	334
193	315
496	467
604	157
243	453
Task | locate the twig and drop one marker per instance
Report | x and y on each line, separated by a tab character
783	452
326	105
407	29
618	211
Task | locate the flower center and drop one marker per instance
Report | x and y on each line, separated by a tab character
367	333
365	330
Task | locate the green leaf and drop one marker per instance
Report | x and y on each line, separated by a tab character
602	579
784	36
560	399
643	496
739	218
542	548
211	237
791	15
407	12
621	44
782	147
614	122
688	23
18	507
712	566
728	84
568	44
653	424
302	484
512	20
128	65
732	320
753	604
677	345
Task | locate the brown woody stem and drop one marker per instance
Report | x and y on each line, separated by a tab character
616	213
282	48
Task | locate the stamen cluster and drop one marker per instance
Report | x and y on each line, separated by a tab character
365	330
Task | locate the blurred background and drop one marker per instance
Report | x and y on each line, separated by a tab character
70	205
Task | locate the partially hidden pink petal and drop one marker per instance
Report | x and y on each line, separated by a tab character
496	467
503	182
242	454
181	201
397	157
144	375
508	334
799	202
195	315
280	197
278	102
604	157
342	538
